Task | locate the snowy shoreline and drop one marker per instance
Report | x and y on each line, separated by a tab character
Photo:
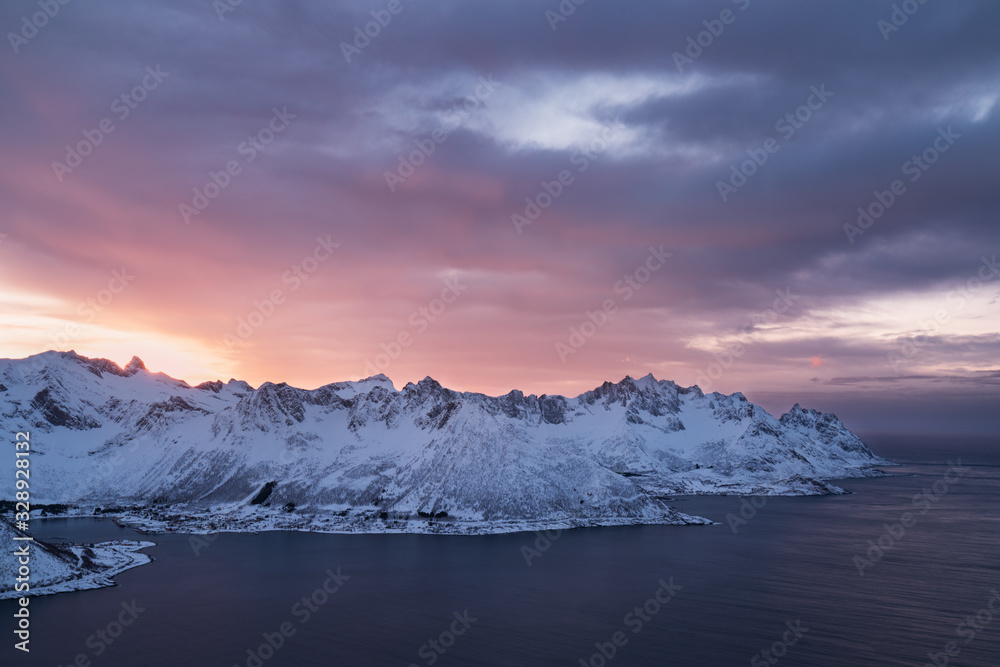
195	519
236	518
96	566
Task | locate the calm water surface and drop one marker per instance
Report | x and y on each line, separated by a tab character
793	561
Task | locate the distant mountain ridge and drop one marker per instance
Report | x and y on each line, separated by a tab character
364	456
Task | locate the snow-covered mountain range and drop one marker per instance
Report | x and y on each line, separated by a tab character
366	457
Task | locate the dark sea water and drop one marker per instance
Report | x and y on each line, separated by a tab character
732	596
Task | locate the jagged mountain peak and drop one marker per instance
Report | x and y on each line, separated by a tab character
797	408
211	385
605	457
428	382
134	366
54	361
99	366
811	418
645	393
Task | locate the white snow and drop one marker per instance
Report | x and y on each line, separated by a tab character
164	455
64	568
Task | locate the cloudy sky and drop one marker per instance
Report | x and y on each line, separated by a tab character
514	194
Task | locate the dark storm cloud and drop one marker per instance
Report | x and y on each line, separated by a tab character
684	128
991	378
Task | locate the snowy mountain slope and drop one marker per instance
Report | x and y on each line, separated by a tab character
62	568
362	456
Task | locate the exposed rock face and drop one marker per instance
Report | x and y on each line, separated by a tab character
357	450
